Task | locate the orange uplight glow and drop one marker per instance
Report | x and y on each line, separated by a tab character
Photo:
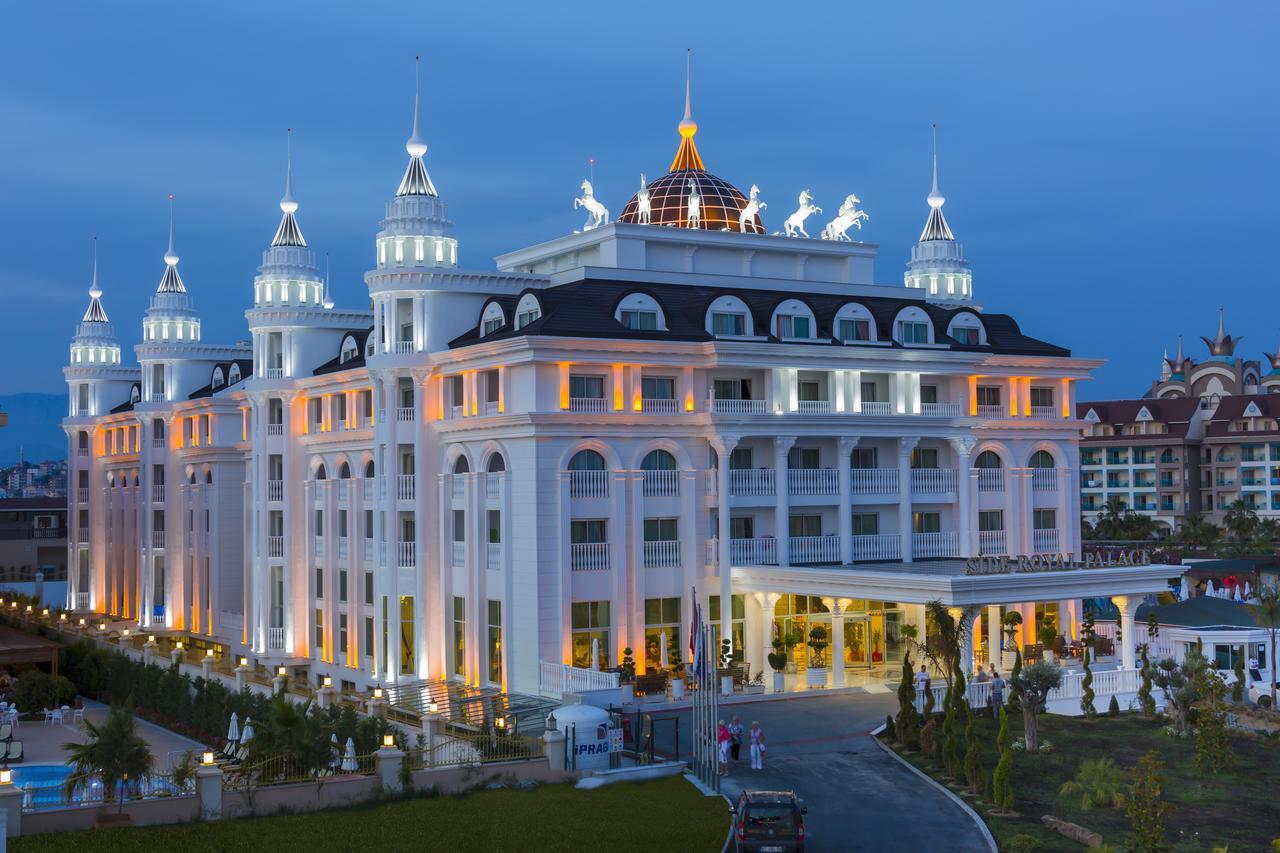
1014	393
973	396
688	402
564	386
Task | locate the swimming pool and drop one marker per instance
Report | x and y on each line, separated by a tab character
43	787
40	775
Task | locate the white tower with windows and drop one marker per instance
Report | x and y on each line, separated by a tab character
937	264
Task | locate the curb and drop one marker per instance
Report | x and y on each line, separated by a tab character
982	827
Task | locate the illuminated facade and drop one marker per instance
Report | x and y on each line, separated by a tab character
491	469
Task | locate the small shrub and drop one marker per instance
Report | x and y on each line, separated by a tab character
1023	843
36	690
1098	783
1113	710
889	732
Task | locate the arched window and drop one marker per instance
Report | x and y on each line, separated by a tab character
216	382
586	460
728	316
208	477
658	460
368	470
912	326
344	471
350	350
528	310
1041	459
233	376
988	459
497	464
640	312
492	319
320	473
792	320
192	478
461	466
854	323
967	329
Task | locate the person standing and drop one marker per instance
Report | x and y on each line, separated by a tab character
736	731
755	738
722	747
1254	672
997	693
982	674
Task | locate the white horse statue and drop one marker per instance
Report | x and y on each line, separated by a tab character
694	216
599	214
848	217
795	222
748	214
644	208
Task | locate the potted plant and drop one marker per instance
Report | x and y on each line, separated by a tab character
726	671
778	662
677	672
755	685
1047	634
818	642
1012	622
627	676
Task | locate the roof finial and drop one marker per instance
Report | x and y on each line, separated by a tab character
328	300
1220	329
936	199
94	290
1180	356
171	257
288	204
688	127
416	146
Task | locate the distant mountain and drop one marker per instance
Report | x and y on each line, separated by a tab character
34	426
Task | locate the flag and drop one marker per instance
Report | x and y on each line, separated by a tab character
695	636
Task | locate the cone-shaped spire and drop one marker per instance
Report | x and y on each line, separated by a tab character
1222	345
935	227
288	234
416	181
687	157
171	282
328	300
95	313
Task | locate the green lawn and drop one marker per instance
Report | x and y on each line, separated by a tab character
665	814
1240	807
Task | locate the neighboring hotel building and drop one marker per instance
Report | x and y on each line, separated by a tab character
1207	436
493	469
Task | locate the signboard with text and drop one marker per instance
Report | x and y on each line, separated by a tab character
1025	563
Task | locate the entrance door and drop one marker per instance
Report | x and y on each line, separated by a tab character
857	641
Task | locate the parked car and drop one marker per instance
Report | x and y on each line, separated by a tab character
768	822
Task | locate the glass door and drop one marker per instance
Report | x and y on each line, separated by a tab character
857	641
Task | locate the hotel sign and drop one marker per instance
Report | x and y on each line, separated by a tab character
1025	563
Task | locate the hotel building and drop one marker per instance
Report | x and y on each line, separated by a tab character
494	471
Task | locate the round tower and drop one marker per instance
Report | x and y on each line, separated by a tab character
937	264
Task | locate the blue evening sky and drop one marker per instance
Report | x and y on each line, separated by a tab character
1109	167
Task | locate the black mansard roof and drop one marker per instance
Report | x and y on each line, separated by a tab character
246	370
333	365
586	309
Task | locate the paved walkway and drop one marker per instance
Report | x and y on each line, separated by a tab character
42	744
858	797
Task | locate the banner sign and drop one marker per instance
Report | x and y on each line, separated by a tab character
1025	563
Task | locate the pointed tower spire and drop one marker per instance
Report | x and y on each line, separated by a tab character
95	312
171	282
935	227
416	181
1223	345
687	158
288	234
328	300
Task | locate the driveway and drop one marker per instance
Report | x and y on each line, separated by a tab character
859	798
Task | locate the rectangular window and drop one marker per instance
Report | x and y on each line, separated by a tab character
589	621
492	325
342	523
319	531
456	393
792	326
728	324
492	385
368	636
1044	519
866	524
966	335
740	459
806	525
926	522
855	330
366	401
661	631
732	389
803	457
868	390
319	582
342	584
588	530
988	395
588	387
913	333
320	632
408	654
808	390
737	621
864	457
991	520
658	388
459	525
640	320
742	527
495	642
1041	397
342	408
924	457
494	518
929	394
368	588
342	633
368	524
660	529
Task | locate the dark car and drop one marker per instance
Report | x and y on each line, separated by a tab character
768	822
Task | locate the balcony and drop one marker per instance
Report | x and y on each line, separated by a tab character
82	495
157	397
761	551
1045	541
990	479
366	489
661	484
406	487
814	407
589	556
83	452
876	547
490	408
589	484
589	405
664	554
813	481
934	481
737	407
406	414
873	481
157	539
275	429
493	555
273	373
275	490
925	546
407	554
157	493
457	487
82	534
275	546
1044	413
752	482
459	554
403	346
275	639
940	410
1044	479
815	549
158	442
658	406
992	412
992	543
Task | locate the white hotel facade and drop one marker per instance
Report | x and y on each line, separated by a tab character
496	468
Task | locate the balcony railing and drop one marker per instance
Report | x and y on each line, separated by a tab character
589	484
158	442
366	489
82	534
406	554
82	601
1045	413
877	546
275	490
659	406
761	551
737	407
814	407
813	481
157	539
490	408
273	373
403	346
591	405
663	554
933	481
752	482
406	414
1046	541
157	493
1044	479
876	407
83	452
493	555
275	546
940	410
459	554
157	397
661	484
368	550
406	487
318	545
493	486
992	543
589	556
82	495
275	429
990	479
992	411
458	487
873	481
275	639
815	549
926	546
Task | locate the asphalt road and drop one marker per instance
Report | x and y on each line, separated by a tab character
858	797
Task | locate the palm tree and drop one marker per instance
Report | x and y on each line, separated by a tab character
114	751
1241	520
1194	530
1267	615
1110	519
1267	533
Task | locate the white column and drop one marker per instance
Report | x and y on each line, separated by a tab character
964	620
1066	484
767	602
905	445
854	378
782	512
993	634
1026	521
837	607
963	447
724	446
844	447
1126	604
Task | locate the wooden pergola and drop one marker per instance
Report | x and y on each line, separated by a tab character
20	647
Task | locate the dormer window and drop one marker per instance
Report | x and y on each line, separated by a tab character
491	326
492	319
912	332
723	323
646	321
792	326
350	350
234	376
216	382
527	311
854	330
965	335
640	312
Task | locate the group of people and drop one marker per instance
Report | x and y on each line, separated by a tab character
729	740
922	682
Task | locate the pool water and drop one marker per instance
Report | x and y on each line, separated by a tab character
40	775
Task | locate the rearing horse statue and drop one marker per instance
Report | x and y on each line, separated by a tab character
599	214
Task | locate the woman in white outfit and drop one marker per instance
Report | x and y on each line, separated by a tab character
756	739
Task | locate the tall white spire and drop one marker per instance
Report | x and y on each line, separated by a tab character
328	300
935	227
95	312
288	234
937	264
416	181
687	157
171	282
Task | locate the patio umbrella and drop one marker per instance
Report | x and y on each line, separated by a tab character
1237	595
1183	591
335	749
1208	589
595	655
233	729
349	758
1246	591
247	734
